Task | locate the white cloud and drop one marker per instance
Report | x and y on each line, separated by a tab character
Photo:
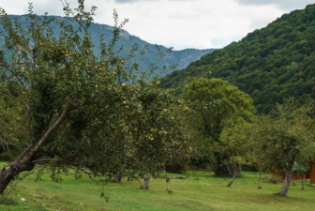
178	23
281	4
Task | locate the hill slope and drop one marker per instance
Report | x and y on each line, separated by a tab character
270	64
182	58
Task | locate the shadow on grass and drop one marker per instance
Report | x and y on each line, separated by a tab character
7	201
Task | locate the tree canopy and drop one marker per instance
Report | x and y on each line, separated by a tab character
216	104
285	140
64	106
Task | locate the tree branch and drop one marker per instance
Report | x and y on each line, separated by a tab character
52	129
43	160
3	142
141	164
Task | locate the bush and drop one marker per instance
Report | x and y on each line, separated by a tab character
177	168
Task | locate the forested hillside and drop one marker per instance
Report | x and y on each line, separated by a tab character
181	58
270	64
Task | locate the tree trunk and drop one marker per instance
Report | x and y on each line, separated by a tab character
146	180
286	182
118	176
25	161
235	174
6	175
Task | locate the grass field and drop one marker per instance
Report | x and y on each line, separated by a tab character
198	191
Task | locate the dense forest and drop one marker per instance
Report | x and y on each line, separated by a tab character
271	64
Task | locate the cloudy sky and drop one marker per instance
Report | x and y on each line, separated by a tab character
178	23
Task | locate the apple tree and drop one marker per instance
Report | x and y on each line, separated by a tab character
74	109
286	139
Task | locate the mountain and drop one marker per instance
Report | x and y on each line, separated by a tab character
271	64
182	58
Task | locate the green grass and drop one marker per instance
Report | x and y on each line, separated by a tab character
199	191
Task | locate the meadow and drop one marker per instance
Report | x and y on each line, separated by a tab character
199	190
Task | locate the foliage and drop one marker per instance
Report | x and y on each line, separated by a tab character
12	119
270	64
285	138
289	136
236	146
76	109
216	104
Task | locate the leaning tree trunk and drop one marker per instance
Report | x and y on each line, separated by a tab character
25	161
146	180
235	174
286	182
230	168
